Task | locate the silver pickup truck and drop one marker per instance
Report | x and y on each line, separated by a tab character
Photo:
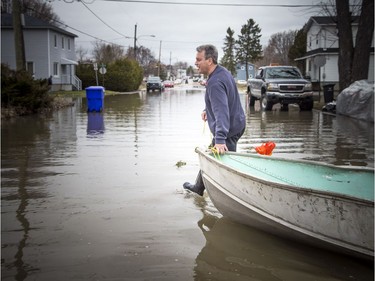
280	84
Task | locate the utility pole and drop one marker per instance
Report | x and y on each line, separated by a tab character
159	59
19	43
135	42
170	65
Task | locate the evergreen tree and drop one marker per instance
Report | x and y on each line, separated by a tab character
298	49
228	60
248	47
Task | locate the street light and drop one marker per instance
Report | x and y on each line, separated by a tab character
135	40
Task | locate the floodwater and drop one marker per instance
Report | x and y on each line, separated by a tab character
98	196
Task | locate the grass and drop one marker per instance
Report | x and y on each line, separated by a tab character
77	94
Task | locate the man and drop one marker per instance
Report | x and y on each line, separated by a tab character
224	113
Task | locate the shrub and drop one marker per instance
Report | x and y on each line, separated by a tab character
86	73
123	75
19	89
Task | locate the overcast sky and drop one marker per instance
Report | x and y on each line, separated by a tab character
179	27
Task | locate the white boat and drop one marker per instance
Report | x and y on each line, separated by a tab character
325	205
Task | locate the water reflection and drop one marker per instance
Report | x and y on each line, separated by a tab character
123	104
73	182
237	252
95	123
317	136
20	184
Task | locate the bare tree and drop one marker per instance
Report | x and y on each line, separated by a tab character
268	56
353	62
277	50
41	10
363	41
105	53
145	58
280	43
81	53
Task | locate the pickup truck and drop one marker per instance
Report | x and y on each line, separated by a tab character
154	83
280	84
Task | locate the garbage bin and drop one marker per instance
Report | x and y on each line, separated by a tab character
95	98
328	92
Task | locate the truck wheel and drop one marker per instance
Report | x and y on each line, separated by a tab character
251	100
307	105
265	103
284	107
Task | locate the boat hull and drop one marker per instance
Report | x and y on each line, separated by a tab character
320	218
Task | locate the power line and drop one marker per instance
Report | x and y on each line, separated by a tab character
219	4
103	21
62	24
85	33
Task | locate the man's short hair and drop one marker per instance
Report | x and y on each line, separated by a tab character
210	51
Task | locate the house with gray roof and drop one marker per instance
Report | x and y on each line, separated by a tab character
49	51
322	50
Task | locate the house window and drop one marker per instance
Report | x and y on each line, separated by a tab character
62	43
68	43
55	69
30	67
55	41
309	41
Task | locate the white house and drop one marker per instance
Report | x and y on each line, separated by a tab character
322	50
241	71
49	51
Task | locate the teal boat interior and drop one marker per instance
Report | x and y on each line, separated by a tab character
357	183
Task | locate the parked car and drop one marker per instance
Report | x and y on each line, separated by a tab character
280	84
168	84
154	83
241	82
177	81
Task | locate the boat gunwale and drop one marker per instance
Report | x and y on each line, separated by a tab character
324	193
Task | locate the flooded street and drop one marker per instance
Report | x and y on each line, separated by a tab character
98	196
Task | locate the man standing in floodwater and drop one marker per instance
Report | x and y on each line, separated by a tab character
224	113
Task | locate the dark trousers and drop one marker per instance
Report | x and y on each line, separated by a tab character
231	144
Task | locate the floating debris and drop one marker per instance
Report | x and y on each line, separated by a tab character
180	163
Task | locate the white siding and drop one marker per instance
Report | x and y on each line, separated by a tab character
325	37
311	37
40	51
36	51
8	55
330	70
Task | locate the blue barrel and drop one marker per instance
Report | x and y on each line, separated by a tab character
95	98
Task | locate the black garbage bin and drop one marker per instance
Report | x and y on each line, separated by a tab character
328	92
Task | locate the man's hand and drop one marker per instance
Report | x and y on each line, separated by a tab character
204	116
221	148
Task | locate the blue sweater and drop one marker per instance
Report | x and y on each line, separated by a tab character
225	114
